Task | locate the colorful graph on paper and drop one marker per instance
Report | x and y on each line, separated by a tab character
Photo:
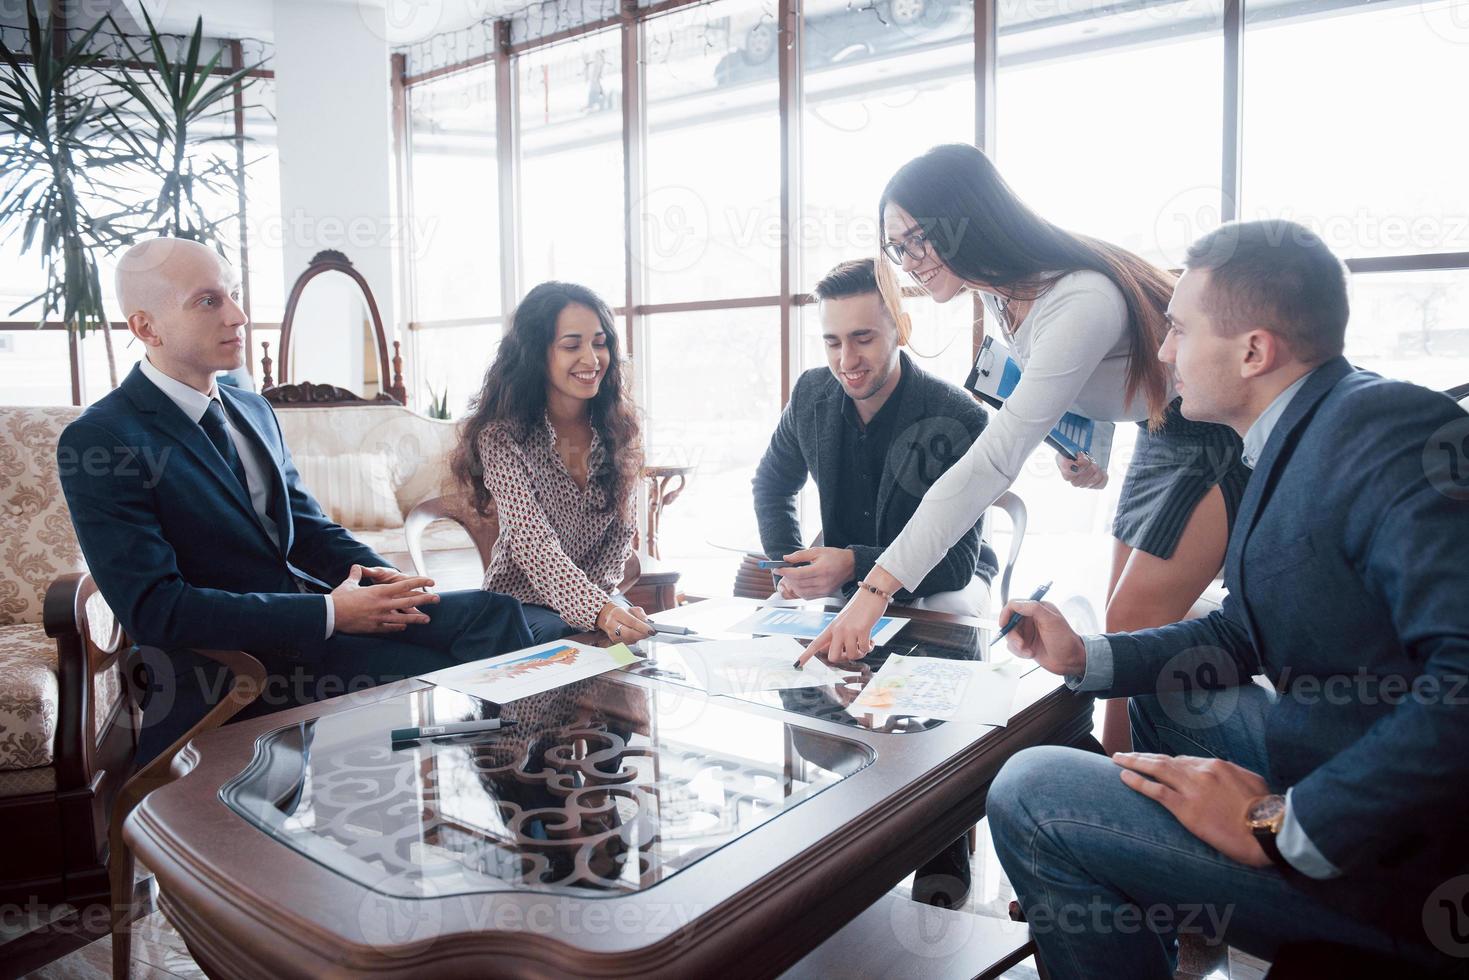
976	691
519	675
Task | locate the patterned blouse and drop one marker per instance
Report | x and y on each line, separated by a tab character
557	547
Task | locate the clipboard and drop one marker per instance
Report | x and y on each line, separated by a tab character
995	375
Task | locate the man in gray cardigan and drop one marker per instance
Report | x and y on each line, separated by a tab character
875	432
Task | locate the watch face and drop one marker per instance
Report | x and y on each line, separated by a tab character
1265	809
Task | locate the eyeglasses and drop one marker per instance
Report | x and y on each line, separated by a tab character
915	246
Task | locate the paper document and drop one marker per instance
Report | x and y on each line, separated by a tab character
975	691
718	619
747	666
526	672
807	624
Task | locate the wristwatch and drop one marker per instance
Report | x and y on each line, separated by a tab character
1264	816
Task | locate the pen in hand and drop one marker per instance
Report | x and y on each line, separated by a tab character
1015	619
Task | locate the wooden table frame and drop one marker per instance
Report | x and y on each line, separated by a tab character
249	906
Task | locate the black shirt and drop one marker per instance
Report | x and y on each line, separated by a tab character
864	453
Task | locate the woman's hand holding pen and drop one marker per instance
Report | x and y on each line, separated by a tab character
1045	637
624	625
849	636
1082	471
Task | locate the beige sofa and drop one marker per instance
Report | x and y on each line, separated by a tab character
368	465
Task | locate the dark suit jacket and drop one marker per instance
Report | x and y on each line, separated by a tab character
935	424
171	538
1349	589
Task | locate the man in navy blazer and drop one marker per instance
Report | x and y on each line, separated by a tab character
197	529
1328	806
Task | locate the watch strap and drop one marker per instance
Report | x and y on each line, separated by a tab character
1271	847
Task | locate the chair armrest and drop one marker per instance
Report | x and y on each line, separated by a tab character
482	529
88	642
632	572
1014	507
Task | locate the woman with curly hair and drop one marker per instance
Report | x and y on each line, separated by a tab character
552	443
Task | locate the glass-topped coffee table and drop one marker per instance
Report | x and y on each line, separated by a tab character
629	823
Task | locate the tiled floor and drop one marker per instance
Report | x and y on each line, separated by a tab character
159	953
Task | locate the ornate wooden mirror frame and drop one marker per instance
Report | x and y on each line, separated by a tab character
307	393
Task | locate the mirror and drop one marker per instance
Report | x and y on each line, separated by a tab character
332	344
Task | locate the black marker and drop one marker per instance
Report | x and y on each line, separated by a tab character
451	728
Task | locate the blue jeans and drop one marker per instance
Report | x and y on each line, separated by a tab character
1108	878
546	624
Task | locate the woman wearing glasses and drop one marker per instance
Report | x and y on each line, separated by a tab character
1085	320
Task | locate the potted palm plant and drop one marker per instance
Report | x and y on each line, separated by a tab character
79	134
53	176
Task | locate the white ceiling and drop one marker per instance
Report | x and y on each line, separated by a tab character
407	20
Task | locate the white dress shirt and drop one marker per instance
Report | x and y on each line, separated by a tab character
194	404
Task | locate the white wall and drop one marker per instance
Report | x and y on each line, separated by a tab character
334	130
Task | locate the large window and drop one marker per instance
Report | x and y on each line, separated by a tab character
711	209
879	90
714	386
1111	119
453	233
1356	142
571	209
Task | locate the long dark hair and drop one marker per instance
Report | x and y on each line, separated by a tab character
986	235
514	394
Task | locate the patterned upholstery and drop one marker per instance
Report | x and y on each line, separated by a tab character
22	782
36	540
37	545
29	697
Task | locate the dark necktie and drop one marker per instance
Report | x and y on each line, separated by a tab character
213	426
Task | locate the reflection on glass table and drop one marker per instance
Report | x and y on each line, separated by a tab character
604	787
712	619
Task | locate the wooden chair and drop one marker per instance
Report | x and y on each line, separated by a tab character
644	582
248	680
66	738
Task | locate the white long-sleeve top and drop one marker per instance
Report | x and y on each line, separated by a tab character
1074	350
